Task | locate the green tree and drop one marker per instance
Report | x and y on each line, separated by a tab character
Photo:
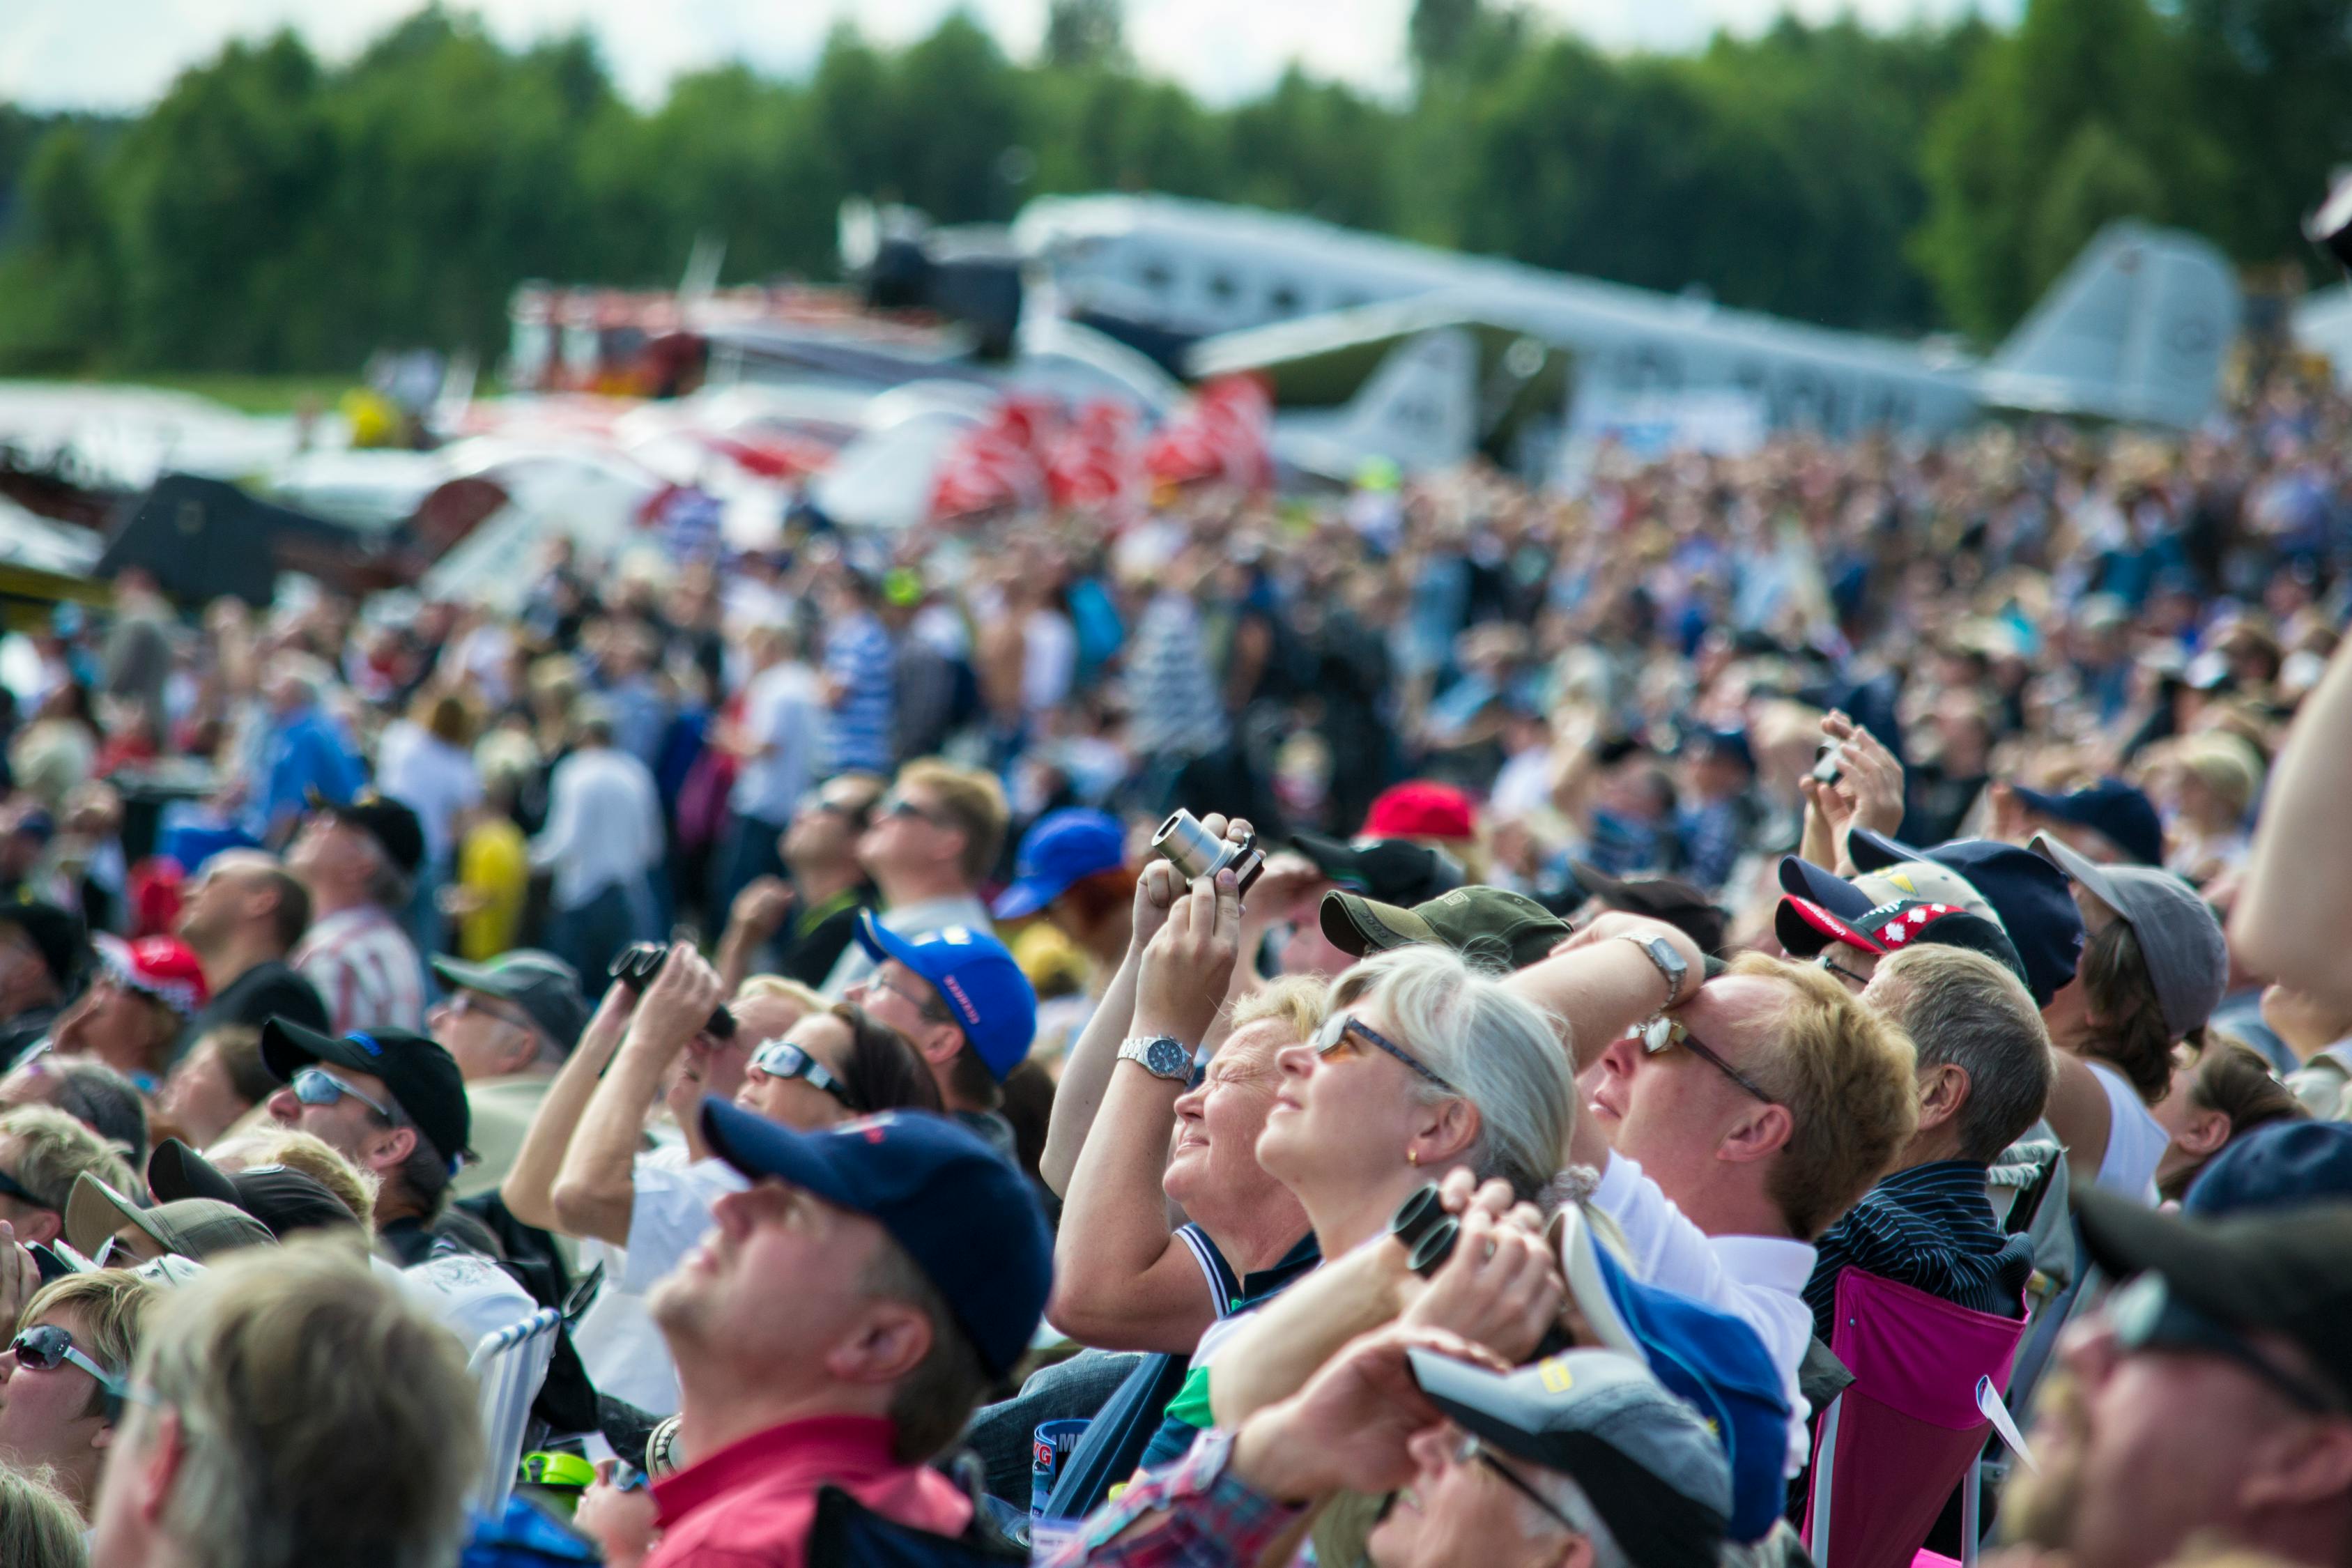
59	274
1081	34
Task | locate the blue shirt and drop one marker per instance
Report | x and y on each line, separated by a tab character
1930	1228
304	752
857	655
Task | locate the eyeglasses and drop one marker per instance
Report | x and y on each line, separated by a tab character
929	1009
2147	1316
317	1085
1661	1032
781	1058
1340	1025
46	1347
1473	1451
465	1002
897	805
817	800
1842	972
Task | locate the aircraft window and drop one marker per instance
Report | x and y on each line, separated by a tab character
1348	301
1157	278
1223	289
1284	300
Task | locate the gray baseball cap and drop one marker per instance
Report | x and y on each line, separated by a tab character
2188	958
1645	1460
541	984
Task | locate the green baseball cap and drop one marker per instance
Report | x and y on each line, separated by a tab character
1482	922
192	1227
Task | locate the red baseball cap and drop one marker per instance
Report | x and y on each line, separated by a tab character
162	967
1421	809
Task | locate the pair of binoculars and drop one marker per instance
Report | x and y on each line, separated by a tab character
1427	1233
636	964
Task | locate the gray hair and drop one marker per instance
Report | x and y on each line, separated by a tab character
39	1527
1563	1494
1499	1050
324	1418
99	1097
1962	1009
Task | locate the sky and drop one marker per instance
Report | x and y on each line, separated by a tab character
122	54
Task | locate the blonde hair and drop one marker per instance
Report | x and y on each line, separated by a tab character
53	1148
974	799
112	1303
323	1419
808	996
1301	1001
38	1527
311	1155
2223	762
1846	1077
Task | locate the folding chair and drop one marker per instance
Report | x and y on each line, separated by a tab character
508	1368
1890	1449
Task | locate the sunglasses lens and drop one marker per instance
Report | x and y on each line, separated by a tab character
40	1349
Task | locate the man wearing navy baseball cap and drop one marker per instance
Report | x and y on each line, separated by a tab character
956	994
917	1265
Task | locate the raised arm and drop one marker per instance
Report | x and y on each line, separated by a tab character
597	1190
1121	1280
2298	903
529	1189
1600	985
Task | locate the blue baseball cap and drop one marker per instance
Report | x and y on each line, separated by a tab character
2279	1166
2026	892
1710	1360
2112	809
983	989
1061	848
961	1210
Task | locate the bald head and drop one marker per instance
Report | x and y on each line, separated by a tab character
244	901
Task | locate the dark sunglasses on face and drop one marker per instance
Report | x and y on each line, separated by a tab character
1331	1045
897	805
317	1085
46	1347
2147	1316
1662	1033
781	1058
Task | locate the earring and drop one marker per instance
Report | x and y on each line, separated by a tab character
1412	1156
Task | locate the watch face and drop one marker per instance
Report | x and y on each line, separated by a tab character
1166	1058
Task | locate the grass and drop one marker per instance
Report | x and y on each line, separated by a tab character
251	394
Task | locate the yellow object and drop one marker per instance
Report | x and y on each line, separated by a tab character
493	863
374	420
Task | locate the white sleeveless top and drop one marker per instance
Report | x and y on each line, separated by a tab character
2136	1140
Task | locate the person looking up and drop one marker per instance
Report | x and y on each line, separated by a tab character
242	916
355	862
934	840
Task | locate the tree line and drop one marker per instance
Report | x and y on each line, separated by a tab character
273	212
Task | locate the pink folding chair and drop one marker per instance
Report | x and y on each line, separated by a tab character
1909	1429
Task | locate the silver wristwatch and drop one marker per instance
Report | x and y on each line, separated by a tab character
1161	1055
1670	963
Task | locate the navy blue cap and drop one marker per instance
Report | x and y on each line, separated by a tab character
961	1211
2110	807
1801	879
983	989
1060	848
2030	895
2277	1166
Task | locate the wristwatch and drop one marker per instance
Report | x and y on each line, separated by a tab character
1670	963
1161	1055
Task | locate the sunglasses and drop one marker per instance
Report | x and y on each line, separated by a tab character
1842	972
1473	1451
897	805
317	1085
932	1009
1332	1037
2147	1316
47	1347
781	1058
1661	1032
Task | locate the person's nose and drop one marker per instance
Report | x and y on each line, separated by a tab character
1433	1447
1617	1059
1189	1104
285	1105
1296	1061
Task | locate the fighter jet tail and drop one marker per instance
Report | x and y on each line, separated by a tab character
2135	329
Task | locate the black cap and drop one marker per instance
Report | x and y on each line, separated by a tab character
284	1199
393	825
1389	870
541	984
422	1077
1682	905
2287	1271
60	938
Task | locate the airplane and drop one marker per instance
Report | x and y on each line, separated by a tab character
1380	347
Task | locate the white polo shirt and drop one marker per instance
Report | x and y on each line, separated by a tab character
624	1352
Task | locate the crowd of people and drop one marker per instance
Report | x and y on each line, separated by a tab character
1680	960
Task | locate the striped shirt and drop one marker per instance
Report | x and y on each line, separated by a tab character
1175	707
859	658
1930	1228
366	971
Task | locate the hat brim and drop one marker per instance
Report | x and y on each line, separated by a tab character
95	1212
1596	882
1876	851
1026	897
1356	925
175	1171
1827	889
2125	1237
287	1047
2083	871
1578	1250
1335	859
758	1148
463	977
1805	928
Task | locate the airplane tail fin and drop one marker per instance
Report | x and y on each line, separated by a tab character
1420	407
2134	328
